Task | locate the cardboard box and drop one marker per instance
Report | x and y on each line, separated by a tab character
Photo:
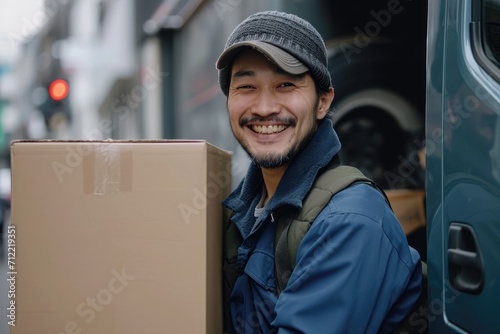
408	206
118	237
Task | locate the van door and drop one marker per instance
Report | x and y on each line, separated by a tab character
463	166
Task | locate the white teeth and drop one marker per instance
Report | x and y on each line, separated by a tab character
268	129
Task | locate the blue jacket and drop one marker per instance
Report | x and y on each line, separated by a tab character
355	272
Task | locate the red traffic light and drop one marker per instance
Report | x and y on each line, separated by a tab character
58	89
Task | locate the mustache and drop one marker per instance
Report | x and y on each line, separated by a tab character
271	119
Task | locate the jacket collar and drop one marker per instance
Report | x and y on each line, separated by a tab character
295	183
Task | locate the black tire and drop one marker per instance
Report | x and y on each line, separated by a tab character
376	110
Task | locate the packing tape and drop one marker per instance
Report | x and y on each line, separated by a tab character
108	169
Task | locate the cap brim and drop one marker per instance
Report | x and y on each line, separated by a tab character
283	59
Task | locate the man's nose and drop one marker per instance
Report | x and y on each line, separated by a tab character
266	104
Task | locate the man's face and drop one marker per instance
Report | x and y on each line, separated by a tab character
272	113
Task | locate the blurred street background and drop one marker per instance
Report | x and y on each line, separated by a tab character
15	30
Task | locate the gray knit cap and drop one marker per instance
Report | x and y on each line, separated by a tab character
291	42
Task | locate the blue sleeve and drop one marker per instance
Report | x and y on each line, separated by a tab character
355	272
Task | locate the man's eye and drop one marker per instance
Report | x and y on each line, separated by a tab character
286	84
245	87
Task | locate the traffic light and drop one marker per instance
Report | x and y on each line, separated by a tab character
53	101
58	89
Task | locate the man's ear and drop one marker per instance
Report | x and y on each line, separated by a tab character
325	100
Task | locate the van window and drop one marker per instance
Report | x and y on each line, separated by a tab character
491	30
485	35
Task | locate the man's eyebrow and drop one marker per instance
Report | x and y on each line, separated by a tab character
276	70
243	73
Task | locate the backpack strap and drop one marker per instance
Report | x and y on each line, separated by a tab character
291	229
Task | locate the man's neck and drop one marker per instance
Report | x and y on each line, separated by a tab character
272	178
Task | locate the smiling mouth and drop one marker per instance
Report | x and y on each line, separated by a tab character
268	129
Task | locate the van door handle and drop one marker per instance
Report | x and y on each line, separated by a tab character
465	263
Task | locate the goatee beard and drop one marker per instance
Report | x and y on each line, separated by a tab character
271	162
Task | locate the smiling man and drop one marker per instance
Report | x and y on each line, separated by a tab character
354	271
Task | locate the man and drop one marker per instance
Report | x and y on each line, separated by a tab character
355	272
